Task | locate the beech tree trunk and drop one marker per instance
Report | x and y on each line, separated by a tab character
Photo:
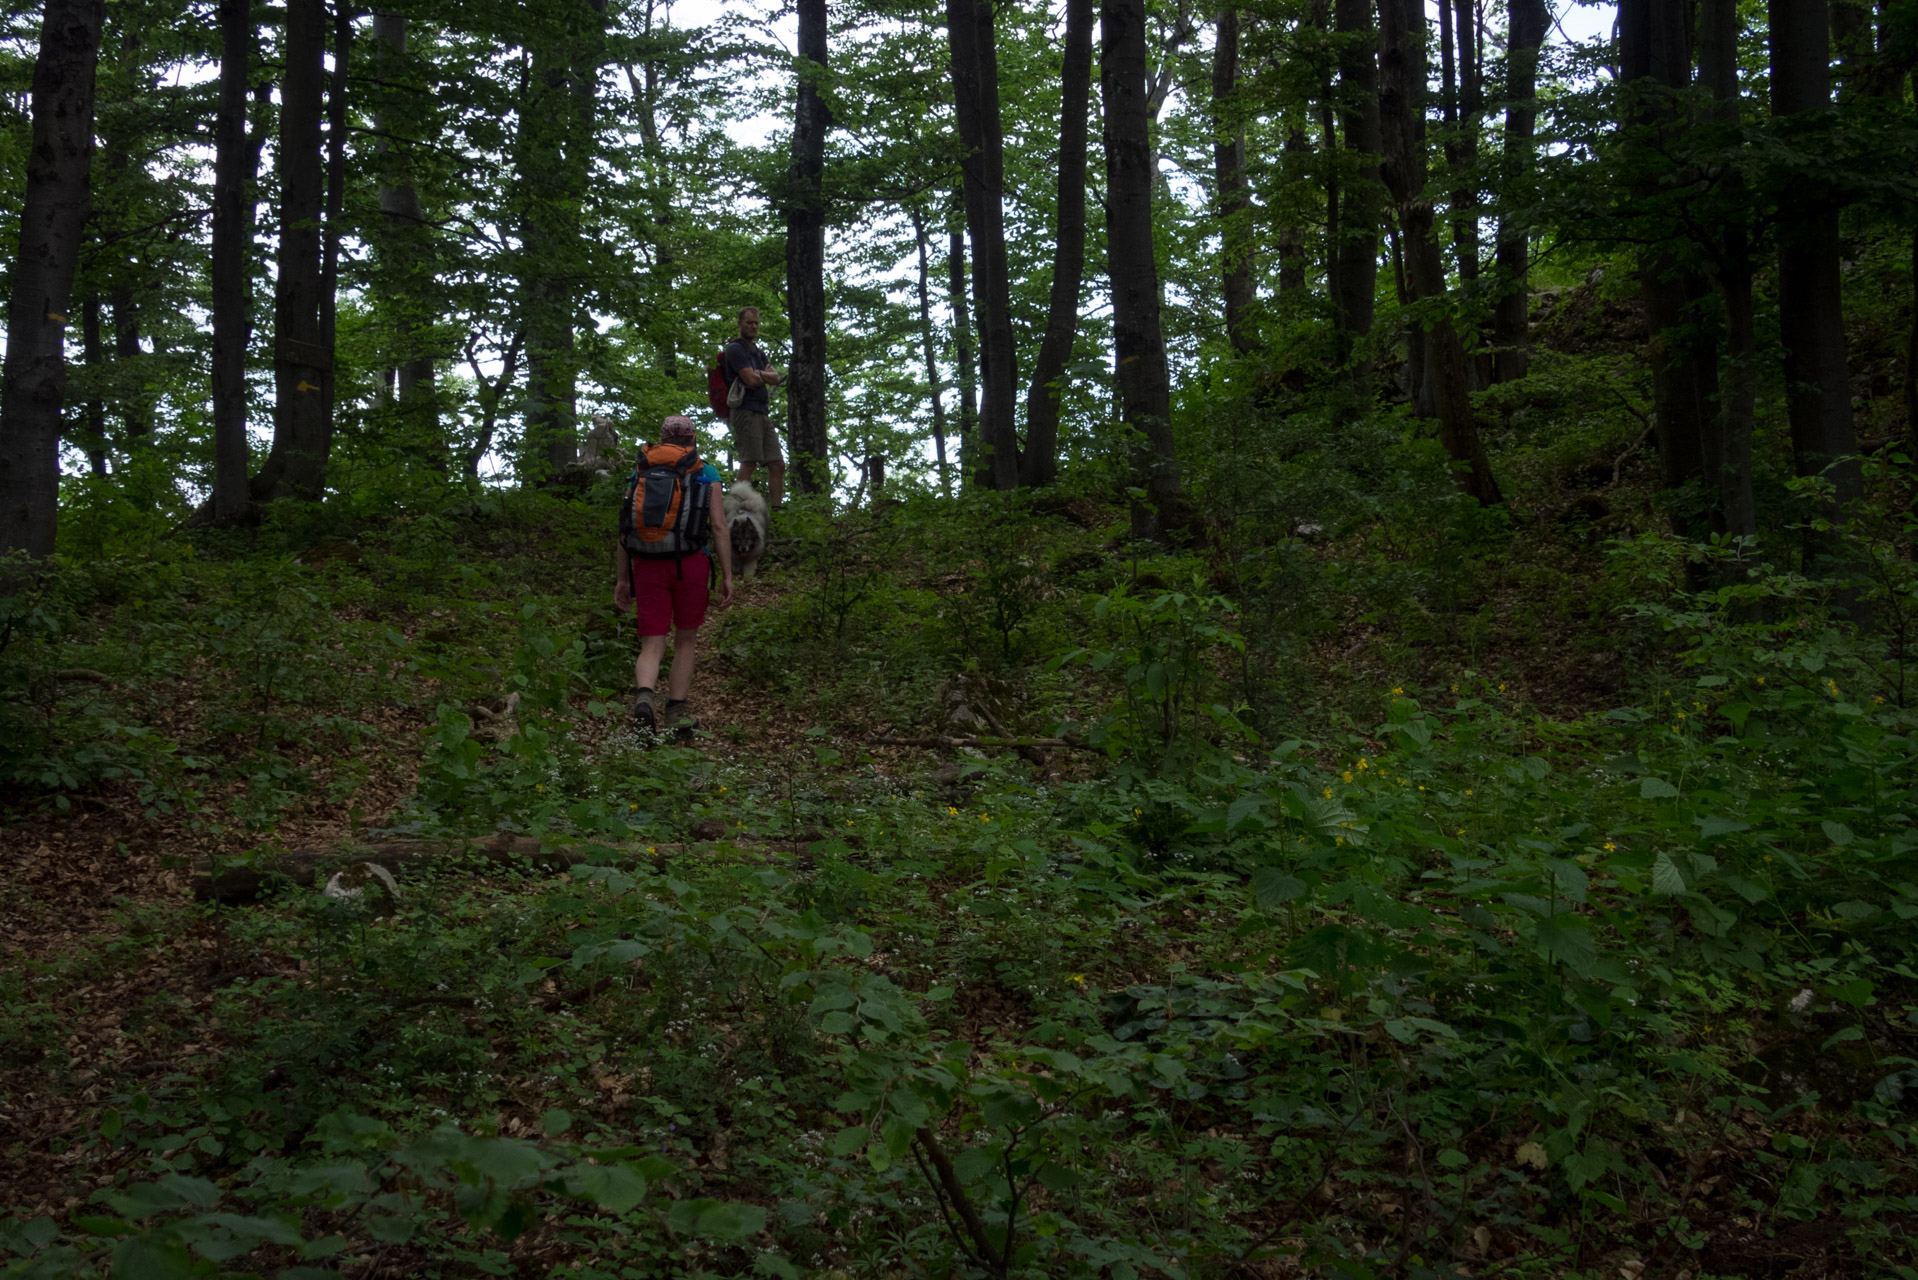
806	259
235	168
1228	168
1810	307
335	196
1401	116
408	252
302	436
1355	293
1138	342
93	436
1039	462
53	218
963	356
1728	442
1511	316
975	85
935	385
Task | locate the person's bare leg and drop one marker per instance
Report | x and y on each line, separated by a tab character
685	650
746	471
776	482
646	669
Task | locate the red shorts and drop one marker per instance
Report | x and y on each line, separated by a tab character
669	594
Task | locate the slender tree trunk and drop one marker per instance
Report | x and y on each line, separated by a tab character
935	385
1292	251
1810	306
52	223
806	258
1655	67
975	84
1401	116
963	356
1039	463
1145	396
296	466
1462	147
491	394
335	197
1728	445
407	252
1511	318
1355	296
235	168
136	411
91	354
1228	167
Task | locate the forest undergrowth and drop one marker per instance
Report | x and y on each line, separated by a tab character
1379	886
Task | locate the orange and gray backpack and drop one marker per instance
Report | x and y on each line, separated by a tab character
665	513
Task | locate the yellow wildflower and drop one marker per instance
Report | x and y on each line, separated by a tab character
1610	847
1362	763
1398	688
954	812
651	849
1328	793
1079	978
1346	776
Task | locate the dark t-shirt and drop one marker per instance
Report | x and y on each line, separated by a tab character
741	354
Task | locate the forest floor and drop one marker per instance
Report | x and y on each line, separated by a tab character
1438	974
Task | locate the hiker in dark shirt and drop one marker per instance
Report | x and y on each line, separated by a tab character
754	440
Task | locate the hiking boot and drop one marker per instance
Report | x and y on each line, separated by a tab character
680	721
644	725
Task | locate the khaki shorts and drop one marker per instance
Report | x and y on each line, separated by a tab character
754	439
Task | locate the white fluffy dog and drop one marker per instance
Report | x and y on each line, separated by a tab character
746	522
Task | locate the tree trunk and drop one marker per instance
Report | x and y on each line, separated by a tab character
1357	249
1228	168
1401	118
408	251
1511	316
1728	443
52	223
235	168
1655	67
936	387
1462	146
975	85
296	466
1138	343
963	356
335	197
1810	306
94	436
1039	463
136	411
806	258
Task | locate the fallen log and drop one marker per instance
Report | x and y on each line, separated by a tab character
235	885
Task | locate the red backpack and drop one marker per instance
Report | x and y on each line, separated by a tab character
717	390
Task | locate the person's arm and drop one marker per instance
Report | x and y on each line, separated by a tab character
723	541
622	577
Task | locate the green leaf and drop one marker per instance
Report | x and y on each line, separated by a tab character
879	1156
556	1122
1272	888
1665	877
1656	789
975	1163
733	1223
144	1257
1844	1034
389	1230
615	1188
1056	1177
1836	832
849	1140
1716	826
771	1264
1568	939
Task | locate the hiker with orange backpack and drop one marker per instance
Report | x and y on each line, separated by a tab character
746	372
673	506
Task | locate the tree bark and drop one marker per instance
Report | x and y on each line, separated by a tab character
963	356
1401	117
935	385
1511	316
335	197
407	252
806	258
1728	445
1356	292
1462	147
302	437
1655	67
1039	462
1234	199
975	85
1138	342
235	168
52	223
136	411
1810	305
